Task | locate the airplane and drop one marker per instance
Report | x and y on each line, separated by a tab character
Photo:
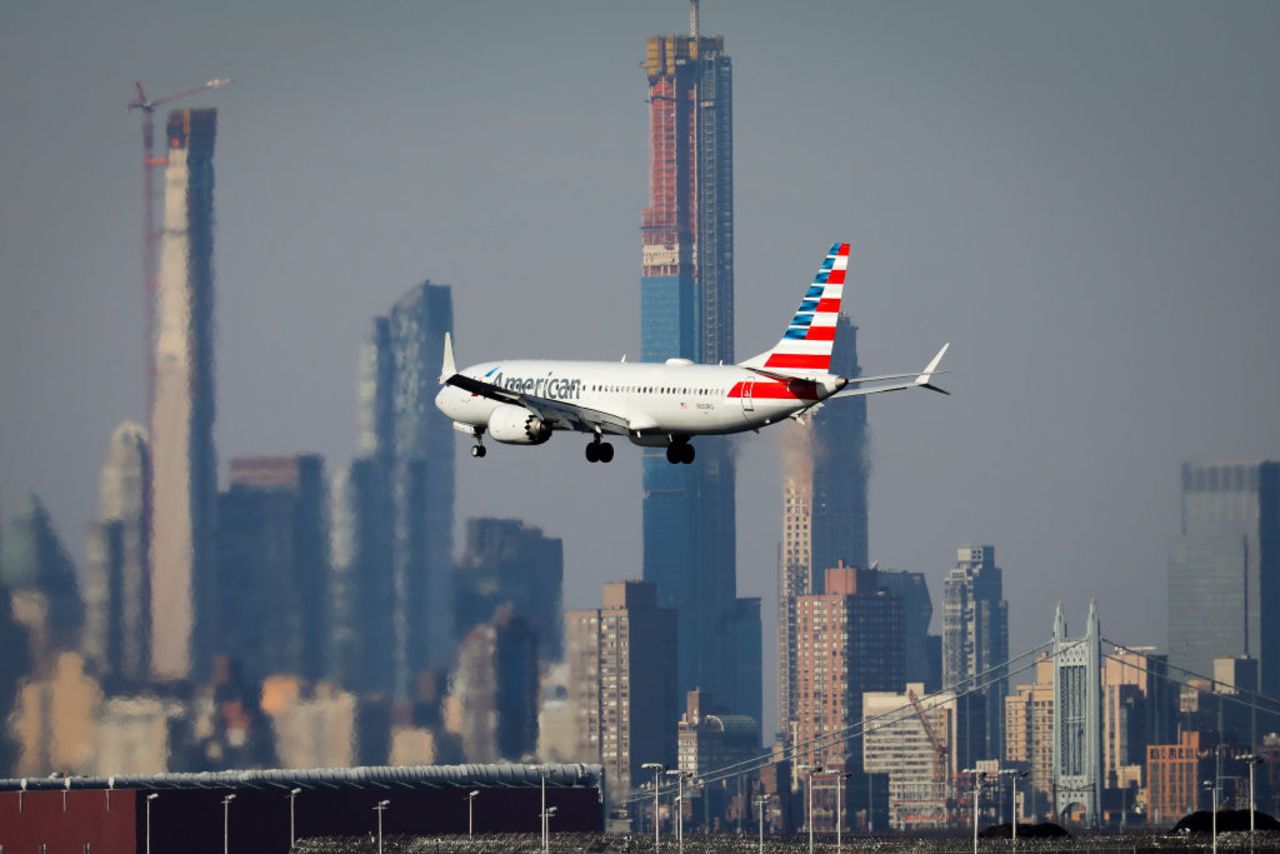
667	404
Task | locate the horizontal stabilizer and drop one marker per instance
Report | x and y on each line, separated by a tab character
924	379
926	376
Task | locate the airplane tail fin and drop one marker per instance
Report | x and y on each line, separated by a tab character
447	367
805	346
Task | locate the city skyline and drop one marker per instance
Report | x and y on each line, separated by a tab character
271	397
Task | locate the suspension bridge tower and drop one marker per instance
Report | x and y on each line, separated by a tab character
1077	718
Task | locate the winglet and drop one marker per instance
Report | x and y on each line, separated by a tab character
932	368
447	368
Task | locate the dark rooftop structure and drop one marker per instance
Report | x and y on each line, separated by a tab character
109	814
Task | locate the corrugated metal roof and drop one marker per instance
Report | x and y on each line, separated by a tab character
381	776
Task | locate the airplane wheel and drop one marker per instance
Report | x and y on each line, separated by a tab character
673	454
606	453
686	454
478	451
593	453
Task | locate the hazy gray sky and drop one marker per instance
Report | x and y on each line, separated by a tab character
1083	197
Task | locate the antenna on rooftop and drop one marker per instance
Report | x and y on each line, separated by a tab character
693	19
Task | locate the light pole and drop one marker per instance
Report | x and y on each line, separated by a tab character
293	794
546	824
226	823
380	808
542	816
1017	812
657	768
151	797
840	776
977	801
471	799
1012	774
812	769
1253	760
680	778
1213	785
760	802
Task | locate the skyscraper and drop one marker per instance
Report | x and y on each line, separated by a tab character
686	309
917	611
743	669
849	641
273	549
507	561
362	635
840	468
622	687
118	581
402	430
1224	569
975	643
824	518
184	468
495	689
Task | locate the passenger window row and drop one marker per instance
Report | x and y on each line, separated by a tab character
628	389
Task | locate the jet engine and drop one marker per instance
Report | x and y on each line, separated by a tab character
515	425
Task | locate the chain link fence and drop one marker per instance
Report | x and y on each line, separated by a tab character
563	843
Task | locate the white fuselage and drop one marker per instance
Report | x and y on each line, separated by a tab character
676	398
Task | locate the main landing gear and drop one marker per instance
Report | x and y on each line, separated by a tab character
679	452
599	452
478	450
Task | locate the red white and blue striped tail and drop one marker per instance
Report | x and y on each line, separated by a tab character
805	347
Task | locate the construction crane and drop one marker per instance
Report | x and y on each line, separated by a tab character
939	754
150	234
939	750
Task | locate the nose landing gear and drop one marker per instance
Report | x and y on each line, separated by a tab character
680	452
478	450
599	452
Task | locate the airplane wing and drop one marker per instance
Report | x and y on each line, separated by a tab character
558	413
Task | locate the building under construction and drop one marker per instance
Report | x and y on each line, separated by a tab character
262	811
687	313
184	467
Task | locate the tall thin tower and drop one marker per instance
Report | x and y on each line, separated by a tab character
184	467
687	312
150	234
